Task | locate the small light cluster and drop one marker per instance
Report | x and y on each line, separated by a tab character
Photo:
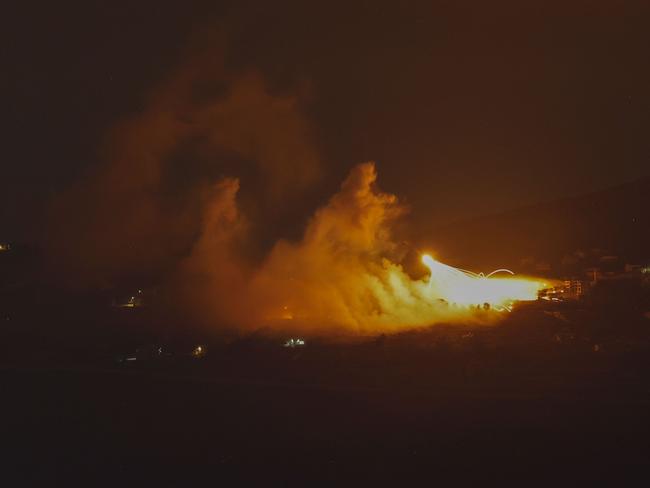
294	343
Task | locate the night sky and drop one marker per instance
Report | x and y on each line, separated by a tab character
468	108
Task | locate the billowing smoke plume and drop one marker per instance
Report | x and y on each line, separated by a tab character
187	184
338	276
141	209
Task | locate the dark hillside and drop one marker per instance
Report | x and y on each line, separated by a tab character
615	220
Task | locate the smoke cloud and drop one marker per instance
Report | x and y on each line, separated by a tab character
186	185
337	277
142	208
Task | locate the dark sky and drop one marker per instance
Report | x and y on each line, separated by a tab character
467	107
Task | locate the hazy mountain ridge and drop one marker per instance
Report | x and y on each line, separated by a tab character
615	220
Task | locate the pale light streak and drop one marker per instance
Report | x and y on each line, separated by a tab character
466	288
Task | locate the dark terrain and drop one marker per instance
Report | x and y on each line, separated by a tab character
530	401
615	219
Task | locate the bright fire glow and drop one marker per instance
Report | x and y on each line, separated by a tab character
345	273
465	288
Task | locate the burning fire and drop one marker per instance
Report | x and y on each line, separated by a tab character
465	288
344	273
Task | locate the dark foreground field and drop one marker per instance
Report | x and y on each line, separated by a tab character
530	402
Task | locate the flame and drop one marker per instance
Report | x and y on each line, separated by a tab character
374	297
465	288
344	273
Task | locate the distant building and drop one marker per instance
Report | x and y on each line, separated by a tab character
594	274
631	268
608	259
574	288
570	289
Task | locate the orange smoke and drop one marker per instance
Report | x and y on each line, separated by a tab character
338	276
159	205
139	210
